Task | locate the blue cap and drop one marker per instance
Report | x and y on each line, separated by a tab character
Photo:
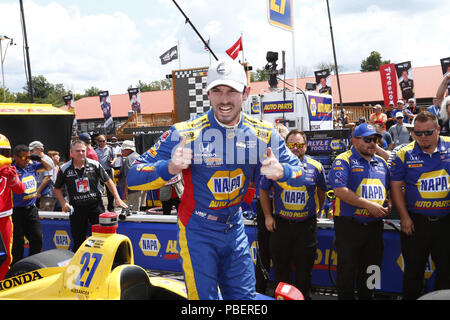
84	137
365	130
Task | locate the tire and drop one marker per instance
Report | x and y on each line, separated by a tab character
46	259
134	284
436	295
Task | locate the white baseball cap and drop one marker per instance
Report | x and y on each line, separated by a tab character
226	72
128	144
36	144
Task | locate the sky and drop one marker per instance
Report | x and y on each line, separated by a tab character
112	44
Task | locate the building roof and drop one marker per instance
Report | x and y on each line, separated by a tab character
151	102
361	87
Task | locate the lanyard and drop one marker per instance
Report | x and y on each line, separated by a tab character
397	131
84	172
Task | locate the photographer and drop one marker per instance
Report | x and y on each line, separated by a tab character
407	114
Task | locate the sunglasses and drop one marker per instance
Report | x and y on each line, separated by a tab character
297	145
369	139
101	140
24	158
426	132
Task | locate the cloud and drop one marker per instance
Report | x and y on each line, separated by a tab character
77	50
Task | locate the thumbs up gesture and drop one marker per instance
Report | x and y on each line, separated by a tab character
271	167
181	158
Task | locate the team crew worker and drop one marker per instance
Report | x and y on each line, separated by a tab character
81	176
216	154
107	159
293	241
45	180
9	183
25	215
423	167
360	180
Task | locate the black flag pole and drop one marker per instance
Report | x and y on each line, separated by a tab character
28	71
336	66
193	27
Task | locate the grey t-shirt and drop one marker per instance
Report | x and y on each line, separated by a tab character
400	134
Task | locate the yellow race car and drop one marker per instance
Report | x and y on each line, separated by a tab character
102	268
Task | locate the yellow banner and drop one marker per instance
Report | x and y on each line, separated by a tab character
30	109
280	14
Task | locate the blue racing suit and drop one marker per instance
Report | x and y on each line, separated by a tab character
212	243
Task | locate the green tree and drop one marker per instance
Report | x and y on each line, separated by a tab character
10	97
44	92
259	75
91	92
157	85
373	62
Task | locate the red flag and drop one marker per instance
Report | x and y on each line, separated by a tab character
233	52
388	77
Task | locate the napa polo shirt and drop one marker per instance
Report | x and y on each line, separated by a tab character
426	178
368	179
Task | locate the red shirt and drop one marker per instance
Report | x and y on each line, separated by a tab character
90	153
6	190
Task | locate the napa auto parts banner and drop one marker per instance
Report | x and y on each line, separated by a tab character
320	112
278	106
389	83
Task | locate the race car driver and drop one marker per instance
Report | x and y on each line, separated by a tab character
216	152
9	183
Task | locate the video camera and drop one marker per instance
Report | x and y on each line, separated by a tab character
271	67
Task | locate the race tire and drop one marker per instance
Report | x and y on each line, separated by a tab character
436	295
46	259
134	284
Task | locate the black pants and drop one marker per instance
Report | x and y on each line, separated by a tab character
109	195
428	237
358	247
26	223
294	244
80	219
262	268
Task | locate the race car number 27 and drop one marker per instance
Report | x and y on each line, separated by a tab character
85	269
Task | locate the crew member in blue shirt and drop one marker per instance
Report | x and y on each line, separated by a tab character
360	180
25	215
422	168
408	115
293	225
434	108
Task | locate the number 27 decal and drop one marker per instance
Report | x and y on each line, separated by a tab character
85	262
